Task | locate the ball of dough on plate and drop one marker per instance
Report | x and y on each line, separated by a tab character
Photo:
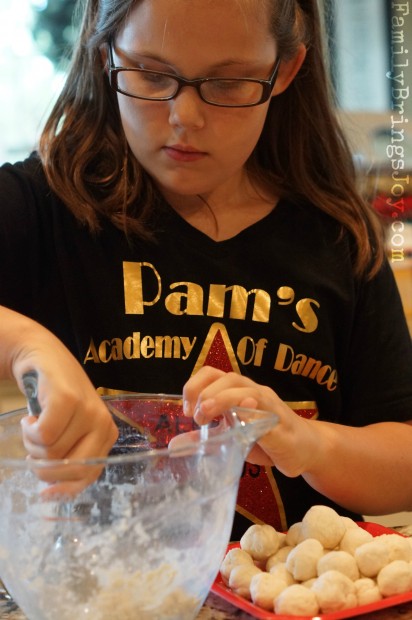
234	557
240	578
334	591
399	547
354	538
279	557
260	541
297	600
395	578
367	591
294	534
342	561
303	559
281	572
349	523
324	524
264	588
282	539
372	557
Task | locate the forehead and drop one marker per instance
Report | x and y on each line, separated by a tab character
194	26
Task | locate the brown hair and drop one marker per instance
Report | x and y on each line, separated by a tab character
302	149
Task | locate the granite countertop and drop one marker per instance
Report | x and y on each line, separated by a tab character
217	609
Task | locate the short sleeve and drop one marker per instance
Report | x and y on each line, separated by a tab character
19	238
377	377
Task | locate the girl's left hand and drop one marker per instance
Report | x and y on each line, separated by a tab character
291	446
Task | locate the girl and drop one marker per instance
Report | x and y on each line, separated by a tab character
191	216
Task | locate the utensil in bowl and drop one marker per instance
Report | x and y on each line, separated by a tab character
147	538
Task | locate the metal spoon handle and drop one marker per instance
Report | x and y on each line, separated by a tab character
30	385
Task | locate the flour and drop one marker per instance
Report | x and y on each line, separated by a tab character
121	551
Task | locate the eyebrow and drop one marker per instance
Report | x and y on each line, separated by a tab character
146	55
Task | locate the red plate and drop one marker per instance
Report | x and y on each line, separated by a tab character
226	593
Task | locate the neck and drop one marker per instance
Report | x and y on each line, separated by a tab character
224	216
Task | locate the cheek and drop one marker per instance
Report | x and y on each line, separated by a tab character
245	131
138	122
130	117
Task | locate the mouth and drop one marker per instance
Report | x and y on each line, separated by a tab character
183	153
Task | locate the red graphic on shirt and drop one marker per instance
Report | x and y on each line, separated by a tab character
258	499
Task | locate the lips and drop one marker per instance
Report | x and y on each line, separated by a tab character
183	153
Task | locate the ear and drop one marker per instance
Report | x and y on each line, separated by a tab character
288	70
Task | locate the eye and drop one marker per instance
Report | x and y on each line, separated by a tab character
227	85
155	78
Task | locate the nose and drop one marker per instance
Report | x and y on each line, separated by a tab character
186	109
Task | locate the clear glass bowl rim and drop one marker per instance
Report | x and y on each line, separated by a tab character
237	431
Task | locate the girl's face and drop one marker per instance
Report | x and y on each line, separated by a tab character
188	146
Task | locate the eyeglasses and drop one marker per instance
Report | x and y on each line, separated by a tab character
160	86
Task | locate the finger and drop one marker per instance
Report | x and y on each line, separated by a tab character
224	397
47	429
196	384
65	489
89	433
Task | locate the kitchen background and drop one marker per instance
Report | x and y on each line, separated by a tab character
371	67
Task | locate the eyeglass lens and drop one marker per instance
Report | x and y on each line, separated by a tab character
154	85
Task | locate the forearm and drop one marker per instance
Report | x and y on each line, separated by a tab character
15	331
367	470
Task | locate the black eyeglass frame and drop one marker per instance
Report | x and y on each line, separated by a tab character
195	83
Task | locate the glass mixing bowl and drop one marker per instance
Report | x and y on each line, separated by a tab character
146	539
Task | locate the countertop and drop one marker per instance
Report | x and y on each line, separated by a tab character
217	609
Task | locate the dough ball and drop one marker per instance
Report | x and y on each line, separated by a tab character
234	557
349	523
342	561
297	600
282	539
303	559
264	588
399	547
240	578
308	583
367	591
354	538
279	557
334	591
324	524
260	541
281	572
372	557
395	578
294	534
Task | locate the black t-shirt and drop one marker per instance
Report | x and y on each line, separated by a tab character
278	303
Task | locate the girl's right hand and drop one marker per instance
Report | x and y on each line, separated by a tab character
74	421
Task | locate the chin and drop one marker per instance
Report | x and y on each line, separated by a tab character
181	188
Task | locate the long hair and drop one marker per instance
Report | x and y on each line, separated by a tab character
302	150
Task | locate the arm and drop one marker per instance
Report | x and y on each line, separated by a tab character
74	422
367	469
